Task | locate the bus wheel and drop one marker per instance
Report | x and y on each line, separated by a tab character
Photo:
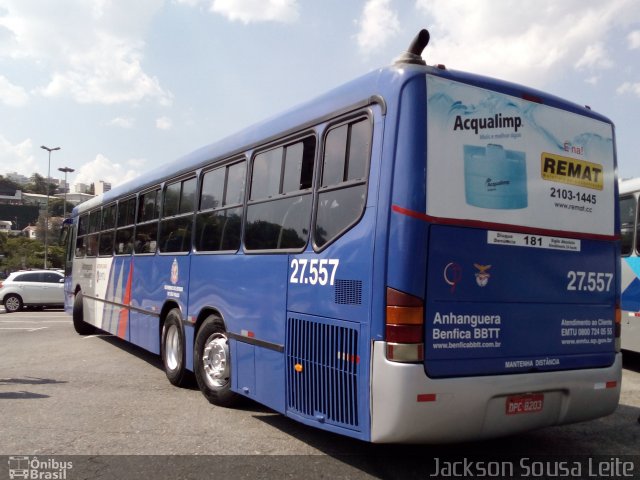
82	327
212	363
173	349
12	303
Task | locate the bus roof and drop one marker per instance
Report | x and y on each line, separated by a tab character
382	86
629	185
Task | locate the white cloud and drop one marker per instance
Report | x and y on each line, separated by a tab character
122	122
249	11
17	158
164	123
594	56
89	49
634	40
379	23
524	41
12	95
101	168
628	87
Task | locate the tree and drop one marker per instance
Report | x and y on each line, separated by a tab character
57	209
8	186
20	253
38	184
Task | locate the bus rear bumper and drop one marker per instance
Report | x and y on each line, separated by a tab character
409	407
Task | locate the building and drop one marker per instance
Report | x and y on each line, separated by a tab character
29	232
101	187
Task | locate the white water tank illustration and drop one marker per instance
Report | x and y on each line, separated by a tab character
494	177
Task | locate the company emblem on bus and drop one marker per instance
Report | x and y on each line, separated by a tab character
174	271
482	277
571	171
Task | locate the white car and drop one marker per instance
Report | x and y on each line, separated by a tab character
32	288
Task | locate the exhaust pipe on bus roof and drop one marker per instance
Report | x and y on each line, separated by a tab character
413	54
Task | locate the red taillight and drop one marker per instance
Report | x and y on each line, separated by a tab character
404	327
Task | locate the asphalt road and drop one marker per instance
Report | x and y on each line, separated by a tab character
92	397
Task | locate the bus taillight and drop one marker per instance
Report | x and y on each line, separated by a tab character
404	327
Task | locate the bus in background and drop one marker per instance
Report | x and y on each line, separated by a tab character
630	247
420	255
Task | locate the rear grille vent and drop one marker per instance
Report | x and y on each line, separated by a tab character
322	372
348	292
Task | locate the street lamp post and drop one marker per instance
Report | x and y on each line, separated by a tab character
64	206
46	216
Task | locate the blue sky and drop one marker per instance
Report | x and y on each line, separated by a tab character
125	85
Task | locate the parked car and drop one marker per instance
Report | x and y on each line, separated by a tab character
32	288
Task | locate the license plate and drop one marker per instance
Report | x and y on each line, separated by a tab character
528	403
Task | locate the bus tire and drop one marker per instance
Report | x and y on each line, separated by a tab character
12	303
172	349
212	363
81	327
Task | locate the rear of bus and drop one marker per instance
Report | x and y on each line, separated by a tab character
502	292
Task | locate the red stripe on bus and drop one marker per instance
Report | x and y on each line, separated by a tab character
500	226
124	313
426	397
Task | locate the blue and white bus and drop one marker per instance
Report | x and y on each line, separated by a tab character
630	247
416	249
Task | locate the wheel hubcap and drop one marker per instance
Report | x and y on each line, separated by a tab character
215	359
172	349
12	304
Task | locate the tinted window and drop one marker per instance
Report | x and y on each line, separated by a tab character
83	224
342	196
106	243
95	218
212	189
627	226
126	212
335	147
235	183
179	198
281	224
109	217
265	180
51	277
29	277
124	241
219	230
298	166
188	196
149	207
146	238
175	235
285	173
171	200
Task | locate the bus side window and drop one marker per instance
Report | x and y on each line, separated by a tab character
147	224
628	210
343	189
219	220
637	252
106	242
83	227
175	231
279	210
125	221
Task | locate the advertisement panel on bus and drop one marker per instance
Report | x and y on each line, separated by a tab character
530	287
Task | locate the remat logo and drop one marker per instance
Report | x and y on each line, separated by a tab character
572	171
